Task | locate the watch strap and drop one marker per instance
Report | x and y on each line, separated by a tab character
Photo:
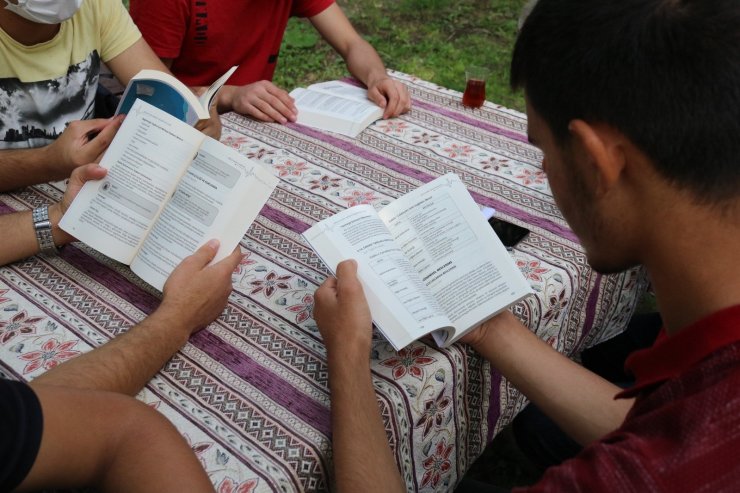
42	227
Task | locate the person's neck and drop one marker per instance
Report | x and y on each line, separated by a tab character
692	260
24	31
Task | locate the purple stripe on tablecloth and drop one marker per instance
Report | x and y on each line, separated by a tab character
472	121
283	219
457	116
112	280
525	217
591	307
494	402
504	207
313	413
5	208
363	153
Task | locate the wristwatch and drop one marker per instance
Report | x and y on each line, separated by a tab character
42	227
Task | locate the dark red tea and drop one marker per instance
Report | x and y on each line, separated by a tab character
475	93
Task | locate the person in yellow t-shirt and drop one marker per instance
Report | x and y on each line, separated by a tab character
50	59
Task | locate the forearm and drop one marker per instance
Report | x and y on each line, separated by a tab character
364	63
362	457
579	401
20	241
24	167
126	363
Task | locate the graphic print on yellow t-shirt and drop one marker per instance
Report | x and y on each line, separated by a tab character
46	86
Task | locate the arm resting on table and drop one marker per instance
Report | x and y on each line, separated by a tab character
362	61
579	401
126	363
194	295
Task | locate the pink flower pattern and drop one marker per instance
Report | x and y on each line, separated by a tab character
20	323
325	183
259	153
408	361
393	126
51	354
424	138
434	413
235	141
458	150
2	292
437	464
529	177
228	485
290	168
244	263
303	310
555	305
531	270
357	197
271	283
495	164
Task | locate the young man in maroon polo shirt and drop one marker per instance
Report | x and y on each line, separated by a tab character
635	105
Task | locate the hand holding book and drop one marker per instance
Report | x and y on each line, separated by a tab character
429	262
336	106
164	91
169	189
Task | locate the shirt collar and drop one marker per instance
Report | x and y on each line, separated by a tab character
672	355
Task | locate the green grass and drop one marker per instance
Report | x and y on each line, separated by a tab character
432	39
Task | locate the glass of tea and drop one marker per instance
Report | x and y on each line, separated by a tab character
475	89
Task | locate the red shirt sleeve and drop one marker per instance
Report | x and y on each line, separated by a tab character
309	8
163	23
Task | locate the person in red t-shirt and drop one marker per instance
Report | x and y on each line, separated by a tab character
635	105
201	39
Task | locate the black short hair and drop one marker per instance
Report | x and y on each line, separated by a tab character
666	73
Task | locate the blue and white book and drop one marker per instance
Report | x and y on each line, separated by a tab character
165	92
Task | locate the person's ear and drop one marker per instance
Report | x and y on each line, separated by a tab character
602	153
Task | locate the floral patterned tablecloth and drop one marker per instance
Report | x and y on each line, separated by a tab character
250	393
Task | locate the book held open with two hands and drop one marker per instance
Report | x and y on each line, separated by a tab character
429	262
169	189
164	91
335	106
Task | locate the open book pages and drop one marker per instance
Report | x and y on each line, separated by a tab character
169	189
164	91
429	262
335	106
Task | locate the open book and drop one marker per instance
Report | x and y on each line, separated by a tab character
335	106
428	262
164	91
169	190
